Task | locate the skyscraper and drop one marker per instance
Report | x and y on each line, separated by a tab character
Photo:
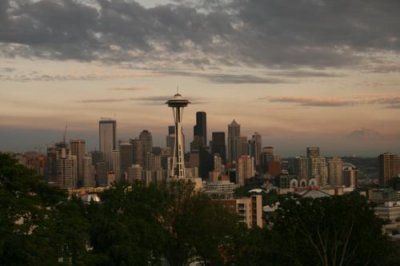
62	166
335	171
218	145
78	148
245	169
255	148
200	129
233	141
177	103
126	156
146	140
107	139
389	167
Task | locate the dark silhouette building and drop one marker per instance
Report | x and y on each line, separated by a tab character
200	129
218	145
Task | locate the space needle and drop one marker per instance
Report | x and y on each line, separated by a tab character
177	103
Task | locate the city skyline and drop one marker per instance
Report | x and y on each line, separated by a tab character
301	74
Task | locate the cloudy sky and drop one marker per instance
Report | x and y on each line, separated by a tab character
301	73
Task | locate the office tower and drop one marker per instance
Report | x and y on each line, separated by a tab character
313	152
389	167
170	139
301	167
177	103
146	140
255	148
62	167
218	166
97	156
107	139
233	141
78	148
350	175
206	161
335	172
245	169
116	164
88	172
101	174
218	145
318	169
243	146
200	129
126	156
267	155
137	152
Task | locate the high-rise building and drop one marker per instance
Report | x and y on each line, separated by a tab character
244	146
389	167
137	152
301	167
255	149
200	129
107	139
233	141
126	156
267	155
350	175
335	172
245	169
170	139
313	152
146	139
177	103
88	172
318	169
116	165
218	145
62	166
78	148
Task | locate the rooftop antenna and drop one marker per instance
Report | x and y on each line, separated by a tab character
177	89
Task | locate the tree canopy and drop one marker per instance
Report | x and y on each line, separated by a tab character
171	224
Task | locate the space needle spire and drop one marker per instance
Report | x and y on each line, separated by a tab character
177	103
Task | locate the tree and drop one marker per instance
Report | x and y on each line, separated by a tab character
339	230
38	225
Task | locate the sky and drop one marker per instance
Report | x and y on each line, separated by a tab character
301	73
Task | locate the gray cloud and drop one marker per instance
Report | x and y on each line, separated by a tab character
226	78
313	101
203	34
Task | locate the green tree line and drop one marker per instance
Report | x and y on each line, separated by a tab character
170	224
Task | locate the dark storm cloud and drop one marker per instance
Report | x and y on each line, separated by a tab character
284	33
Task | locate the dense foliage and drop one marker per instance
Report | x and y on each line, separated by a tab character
169	224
